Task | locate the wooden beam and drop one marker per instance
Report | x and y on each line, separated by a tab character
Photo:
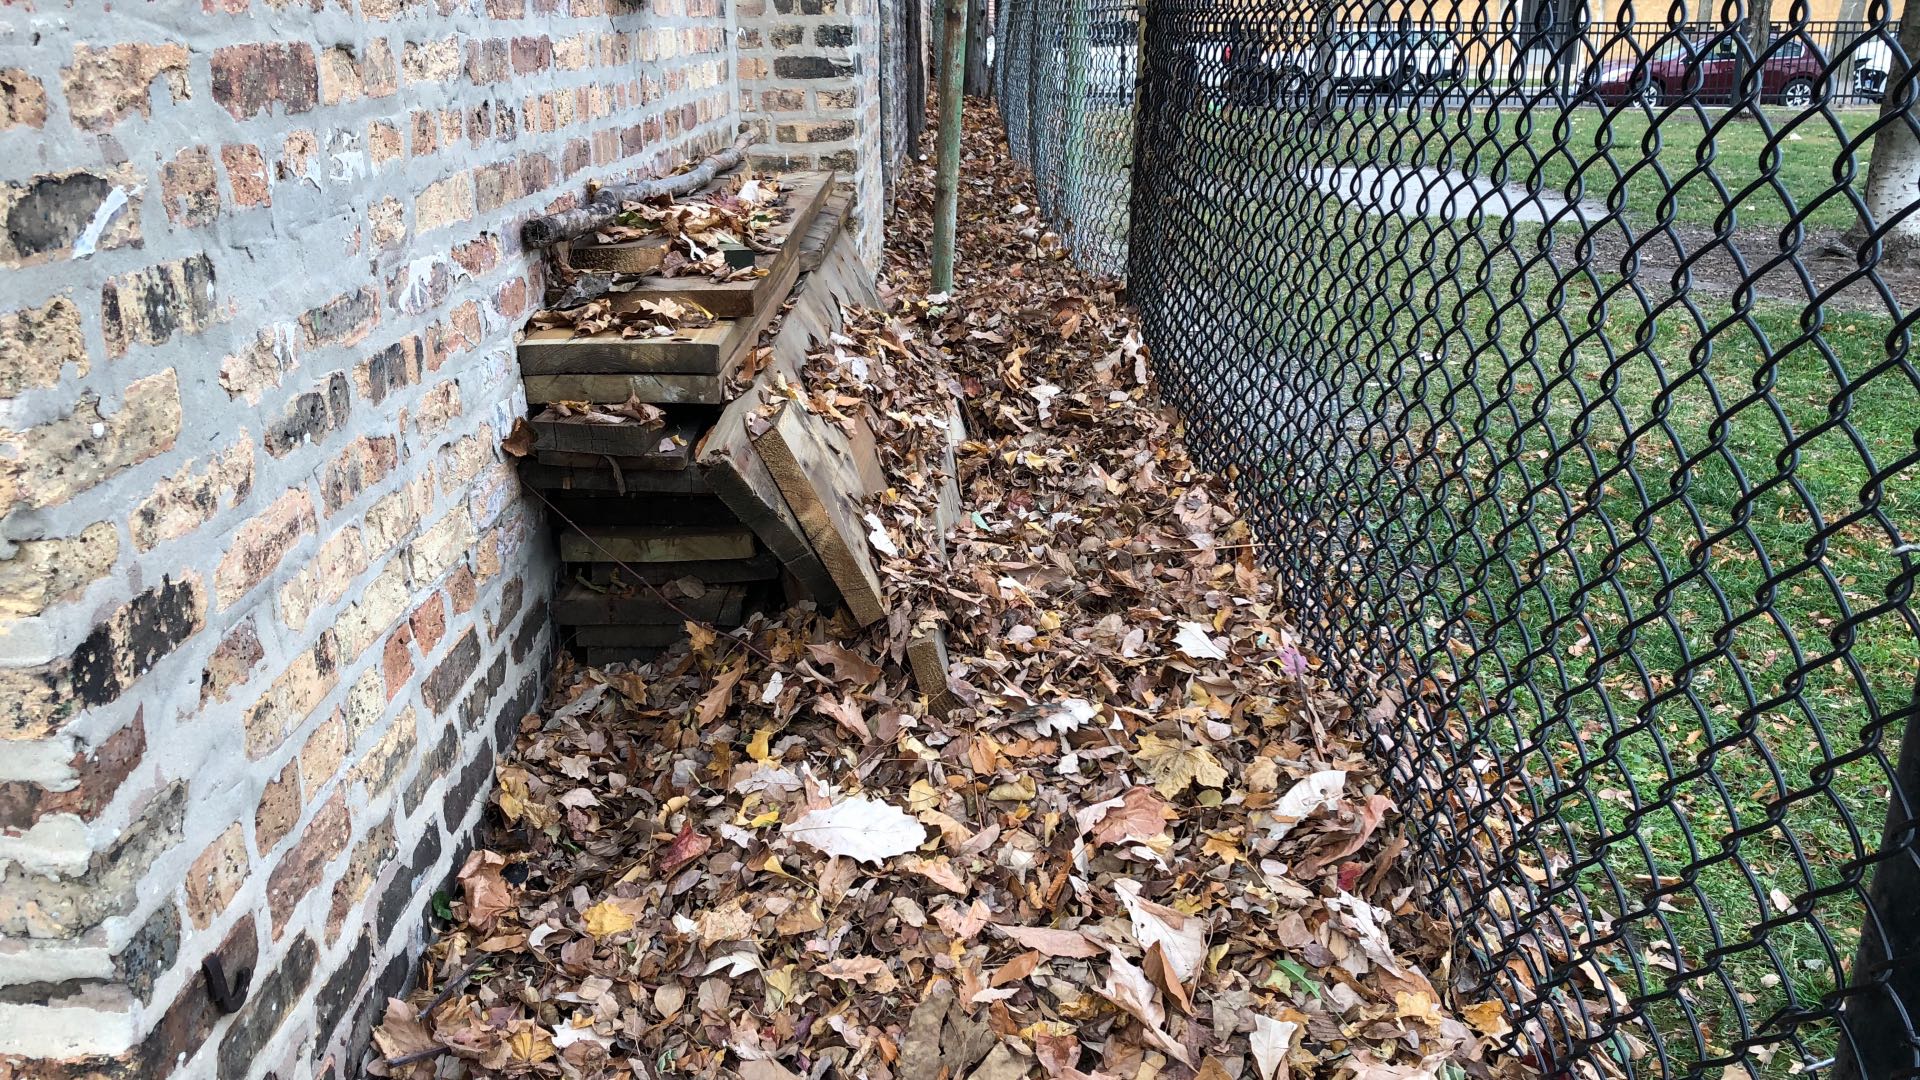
603	481
813	464
734	472
614	389
762	567
632	446
655	544
737	299
577	605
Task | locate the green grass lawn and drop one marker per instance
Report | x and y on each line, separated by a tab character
1683	165
1644	530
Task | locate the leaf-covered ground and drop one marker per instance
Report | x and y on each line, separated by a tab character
1144	841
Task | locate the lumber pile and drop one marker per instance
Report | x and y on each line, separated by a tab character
684	483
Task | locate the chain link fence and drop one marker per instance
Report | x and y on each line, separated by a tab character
1066	81
1564	363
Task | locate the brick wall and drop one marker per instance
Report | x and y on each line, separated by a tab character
809	72
270	595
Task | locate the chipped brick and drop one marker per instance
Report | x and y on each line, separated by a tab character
105	84
261	543
303	865
307	680
149	306
43	573
189	498
190	188
250	79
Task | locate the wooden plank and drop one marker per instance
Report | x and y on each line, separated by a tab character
604	483
927	645
700	350
726	456
636	510
613	637
813	465
632	446
762	567
613	389
735	473
597	373
625	654
656	544
577	605
866	455
734	299
642	255
927	657
826	229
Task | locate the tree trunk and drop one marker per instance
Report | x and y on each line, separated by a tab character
1758	32
946	173
977	27
1893	173
916	75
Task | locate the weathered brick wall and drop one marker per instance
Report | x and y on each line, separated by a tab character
810	74
269	594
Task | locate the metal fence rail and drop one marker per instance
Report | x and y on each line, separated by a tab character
1565	364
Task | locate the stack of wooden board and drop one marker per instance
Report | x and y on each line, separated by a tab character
661	523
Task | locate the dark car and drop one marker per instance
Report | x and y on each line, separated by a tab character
1790	76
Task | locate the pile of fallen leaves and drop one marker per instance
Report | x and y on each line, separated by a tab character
1144	841
662	318
700	228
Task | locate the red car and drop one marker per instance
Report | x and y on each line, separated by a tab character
1791	76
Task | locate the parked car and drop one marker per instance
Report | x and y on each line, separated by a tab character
1790	76
1871	63
1376	58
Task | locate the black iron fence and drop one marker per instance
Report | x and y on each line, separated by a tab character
1568	374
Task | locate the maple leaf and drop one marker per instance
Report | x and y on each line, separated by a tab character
1175	767
606	918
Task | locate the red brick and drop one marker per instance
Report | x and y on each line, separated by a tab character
460	589
531	54
396	661
189	188
247	175
250	79
429	622
97	777
306	862
279	809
